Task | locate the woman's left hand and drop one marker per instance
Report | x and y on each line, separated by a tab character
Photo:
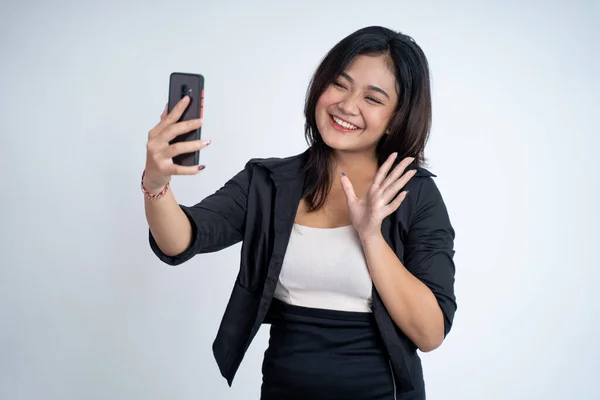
368	212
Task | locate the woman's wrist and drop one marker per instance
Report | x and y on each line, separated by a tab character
153	191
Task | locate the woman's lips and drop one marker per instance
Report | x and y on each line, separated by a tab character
339	127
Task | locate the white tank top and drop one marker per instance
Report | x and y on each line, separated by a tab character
325	268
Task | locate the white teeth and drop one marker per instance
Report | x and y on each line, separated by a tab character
344	123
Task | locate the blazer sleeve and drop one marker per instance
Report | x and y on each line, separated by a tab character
217	221
429	248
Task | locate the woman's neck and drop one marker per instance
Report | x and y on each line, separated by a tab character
360	167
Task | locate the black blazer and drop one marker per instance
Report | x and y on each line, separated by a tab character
258	207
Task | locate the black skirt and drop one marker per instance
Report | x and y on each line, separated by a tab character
324	354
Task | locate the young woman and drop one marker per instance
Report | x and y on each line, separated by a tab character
347	248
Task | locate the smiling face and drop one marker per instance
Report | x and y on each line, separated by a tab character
354	112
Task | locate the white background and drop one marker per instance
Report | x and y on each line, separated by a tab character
88	312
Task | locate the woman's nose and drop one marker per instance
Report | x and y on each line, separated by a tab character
349	105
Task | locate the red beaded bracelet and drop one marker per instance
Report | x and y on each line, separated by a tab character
153	196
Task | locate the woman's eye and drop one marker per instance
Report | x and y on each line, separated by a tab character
373	99
369	98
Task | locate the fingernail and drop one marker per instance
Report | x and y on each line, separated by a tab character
207	142
406	192
342	174
201	167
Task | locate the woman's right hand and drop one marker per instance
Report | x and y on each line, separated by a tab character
159	153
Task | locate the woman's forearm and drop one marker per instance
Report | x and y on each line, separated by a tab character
410	303
168	224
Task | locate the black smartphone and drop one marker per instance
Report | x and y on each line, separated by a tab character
180	85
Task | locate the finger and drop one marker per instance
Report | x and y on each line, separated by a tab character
186	147
164	113
394	205
180	128
175	113
389	193
348	188
156	130
383	170
396	172
169	118
184	170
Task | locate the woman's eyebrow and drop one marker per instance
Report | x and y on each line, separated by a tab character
370	87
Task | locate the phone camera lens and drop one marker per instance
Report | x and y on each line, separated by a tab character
184	91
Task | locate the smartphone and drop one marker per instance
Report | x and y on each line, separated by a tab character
180	85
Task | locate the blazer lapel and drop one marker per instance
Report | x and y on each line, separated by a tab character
288	177
288	192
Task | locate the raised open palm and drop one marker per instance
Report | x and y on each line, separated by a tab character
368	212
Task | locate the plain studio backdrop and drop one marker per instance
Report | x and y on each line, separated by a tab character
88	312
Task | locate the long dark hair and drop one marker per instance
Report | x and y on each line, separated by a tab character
411	123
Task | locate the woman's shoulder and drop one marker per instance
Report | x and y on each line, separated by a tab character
423	187
423	172
280	165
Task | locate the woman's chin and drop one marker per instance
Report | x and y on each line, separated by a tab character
336	142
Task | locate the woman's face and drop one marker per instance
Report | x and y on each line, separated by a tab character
354	112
